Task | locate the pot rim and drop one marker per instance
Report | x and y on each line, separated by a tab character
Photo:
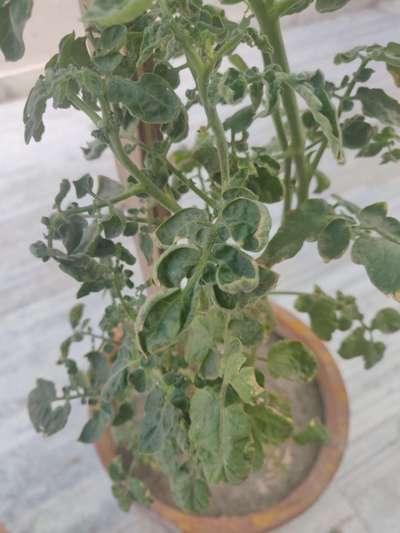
336	418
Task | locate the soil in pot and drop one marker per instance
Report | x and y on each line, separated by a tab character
285	466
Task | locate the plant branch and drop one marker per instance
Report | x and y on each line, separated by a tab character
167	201
200	73
269	25
132	191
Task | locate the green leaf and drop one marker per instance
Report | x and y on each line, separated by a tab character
221	438
249	223
312	88
314	432
13	17
241	120
112	39
125	414
108	188
175	264
160	320
270	426
241	378
377	104
39	250
158	421
326	6
267	186
73	51
34	110
381	259
237	272
334	239
291	360
75	315
65	187
356	132
150	99
356	345
99	370
44	418
146	246
95	427
83	185
305	223
322	311
190	493
138	379
248	330
107	13
294	6
375	217
387	320
185	224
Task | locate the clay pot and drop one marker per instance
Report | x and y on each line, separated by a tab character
336	419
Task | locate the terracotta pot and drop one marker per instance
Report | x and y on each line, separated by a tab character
336	419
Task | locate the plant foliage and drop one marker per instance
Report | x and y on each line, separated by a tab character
195	353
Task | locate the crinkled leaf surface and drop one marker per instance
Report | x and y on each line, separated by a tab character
185	224
236	272
249	223
151	98
221	437
161	319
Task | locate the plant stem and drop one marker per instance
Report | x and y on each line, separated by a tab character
200	73
189	183
269	24
80	104
287	293
132	191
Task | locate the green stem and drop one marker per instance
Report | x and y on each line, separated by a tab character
167	201
80	104
269	24
200	73
132	191
116	146
287	293
189	183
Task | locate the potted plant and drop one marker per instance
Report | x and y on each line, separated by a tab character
200	378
